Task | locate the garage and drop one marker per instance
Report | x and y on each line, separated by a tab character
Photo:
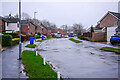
110	32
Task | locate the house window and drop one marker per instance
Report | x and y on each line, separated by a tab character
0	27
116	23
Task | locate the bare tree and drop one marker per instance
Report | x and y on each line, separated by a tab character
25	16
64	27
77	28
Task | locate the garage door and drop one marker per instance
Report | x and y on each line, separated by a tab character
110	32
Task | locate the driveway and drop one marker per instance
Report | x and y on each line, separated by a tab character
79	60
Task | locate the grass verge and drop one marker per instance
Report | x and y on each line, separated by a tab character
111	49
31	45
43	40
35	68
76	41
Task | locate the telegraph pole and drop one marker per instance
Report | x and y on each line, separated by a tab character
20	53
35	21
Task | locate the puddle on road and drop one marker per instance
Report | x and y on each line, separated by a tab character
54	49
41	50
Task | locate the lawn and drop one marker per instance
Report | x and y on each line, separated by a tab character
76	41
31	45
111	49
35	68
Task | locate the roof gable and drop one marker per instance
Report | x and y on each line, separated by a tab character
114	14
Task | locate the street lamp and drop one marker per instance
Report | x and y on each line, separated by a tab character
20	54
35	21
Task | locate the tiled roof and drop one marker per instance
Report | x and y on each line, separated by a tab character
116	14
96	28
11	20
24	22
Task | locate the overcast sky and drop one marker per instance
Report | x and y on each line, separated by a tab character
86	13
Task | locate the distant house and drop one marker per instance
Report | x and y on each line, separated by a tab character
38	28
27	27
106	26
44	29
60	31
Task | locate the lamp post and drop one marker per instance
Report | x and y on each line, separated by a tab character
20	54
35	21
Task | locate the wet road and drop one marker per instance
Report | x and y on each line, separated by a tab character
80	60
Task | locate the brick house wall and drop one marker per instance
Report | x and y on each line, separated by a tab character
60	31
28	29
44	31
24	29
39	29
2	25
108	20
49	31
31	29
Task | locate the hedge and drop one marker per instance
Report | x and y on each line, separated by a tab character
37	36
6	40
15	41
14	35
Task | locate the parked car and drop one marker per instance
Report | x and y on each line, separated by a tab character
59	35
115	39
66	36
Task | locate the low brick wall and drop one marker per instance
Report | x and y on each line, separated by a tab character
98	36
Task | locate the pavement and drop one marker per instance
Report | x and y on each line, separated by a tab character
11	66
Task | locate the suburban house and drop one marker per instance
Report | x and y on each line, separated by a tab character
38	28
10	25
44	29
27	27
106	26
60	31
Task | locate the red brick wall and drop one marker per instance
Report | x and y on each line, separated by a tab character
108	21
3	25
49	31
24	29
60	31
39	29
31	29
98	36
44	31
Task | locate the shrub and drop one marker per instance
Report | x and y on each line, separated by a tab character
15	41
39	33
6	40
14	35
37	36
